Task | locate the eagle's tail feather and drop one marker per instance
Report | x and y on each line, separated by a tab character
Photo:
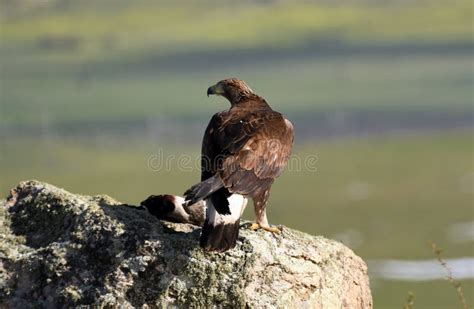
202	190
220	232
220	237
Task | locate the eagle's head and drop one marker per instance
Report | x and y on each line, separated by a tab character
233	89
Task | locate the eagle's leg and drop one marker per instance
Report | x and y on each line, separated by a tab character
260	205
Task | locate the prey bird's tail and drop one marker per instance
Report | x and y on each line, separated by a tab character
202	190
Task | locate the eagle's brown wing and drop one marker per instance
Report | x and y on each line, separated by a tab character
254	167
248	149
225	135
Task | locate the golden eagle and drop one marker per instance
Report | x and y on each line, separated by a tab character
243	150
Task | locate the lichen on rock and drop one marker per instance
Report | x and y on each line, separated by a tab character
60	249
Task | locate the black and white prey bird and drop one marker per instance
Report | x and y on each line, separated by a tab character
243	150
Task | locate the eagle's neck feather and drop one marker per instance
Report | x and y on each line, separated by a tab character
251	104
235	97
243	97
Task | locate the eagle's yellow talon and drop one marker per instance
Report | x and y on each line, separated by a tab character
255	226
271	229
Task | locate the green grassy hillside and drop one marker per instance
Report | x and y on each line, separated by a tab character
80	62
406	84
227	25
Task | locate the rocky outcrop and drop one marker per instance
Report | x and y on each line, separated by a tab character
60	249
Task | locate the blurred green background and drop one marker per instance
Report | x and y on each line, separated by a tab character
93	93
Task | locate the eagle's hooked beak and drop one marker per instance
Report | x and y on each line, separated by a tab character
210	91
216	89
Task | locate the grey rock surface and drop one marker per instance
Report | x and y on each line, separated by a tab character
59	249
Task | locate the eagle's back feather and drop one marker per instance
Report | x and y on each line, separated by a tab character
248	146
